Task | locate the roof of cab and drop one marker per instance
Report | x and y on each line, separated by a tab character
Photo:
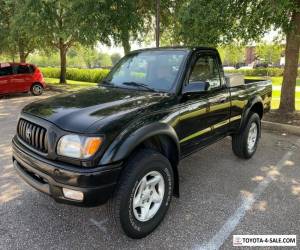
185	48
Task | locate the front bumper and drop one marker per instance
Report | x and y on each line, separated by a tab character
50	177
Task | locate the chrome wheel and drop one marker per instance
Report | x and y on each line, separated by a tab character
37	89
252	137
148	196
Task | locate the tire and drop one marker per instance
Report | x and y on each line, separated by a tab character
122	209
36	89
242	145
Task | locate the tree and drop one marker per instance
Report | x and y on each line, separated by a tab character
127	19
104	60
270	53
216	22
132	20
115	57
89	55
63	24
13	36
201	22
232	54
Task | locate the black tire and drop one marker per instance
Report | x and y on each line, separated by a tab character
36	89
240	141
121	205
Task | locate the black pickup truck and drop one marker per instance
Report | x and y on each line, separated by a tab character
122	141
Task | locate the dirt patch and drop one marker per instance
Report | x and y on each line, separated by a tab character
288	118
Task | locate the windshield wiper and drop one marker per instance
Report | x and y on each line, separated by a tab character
137	84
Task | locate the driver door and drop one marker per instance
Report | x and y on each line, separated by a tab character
202	113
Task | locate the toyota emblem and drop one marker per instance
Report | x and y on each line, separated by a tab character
28	133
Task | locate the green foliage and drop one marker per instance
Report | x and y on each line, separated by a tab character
15	39
92	58
44	60
115	57
260	72
77	57
61	23
270	53
84	75
126	20
201	22
104	60
232	54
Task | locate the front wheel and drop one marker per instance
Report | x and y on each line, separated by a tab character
245	143
37	89
143	195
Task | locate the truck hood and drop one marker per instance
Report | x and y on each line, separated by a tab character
78	111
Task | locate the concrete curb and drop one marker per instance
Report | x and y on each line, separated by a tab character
274	126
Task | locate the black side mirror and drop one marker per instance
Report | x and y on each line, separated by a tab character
195	88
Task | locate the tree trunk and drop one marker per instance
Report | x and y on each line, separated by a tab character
22	57
125	42
287	99
22	53
63	62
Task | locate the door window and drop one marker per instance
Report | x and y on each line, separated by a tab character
5	71
206	69
22	69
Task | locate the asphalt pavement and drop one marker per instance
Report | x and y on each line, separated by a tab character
221	195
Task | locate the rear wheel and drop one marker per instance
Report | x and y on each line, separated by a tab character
37	89
143	195
245	143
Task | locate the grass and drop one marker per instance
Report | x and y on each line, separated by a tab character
276	94
77	85
276	81
55	81
275	104
71	85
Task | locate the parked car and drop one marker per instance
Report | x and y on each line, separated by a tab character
122	141
21	77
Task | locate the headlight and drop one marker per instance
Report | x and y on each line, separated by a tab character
76	146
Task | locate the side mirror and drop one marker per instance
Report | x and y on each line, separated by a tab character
195	88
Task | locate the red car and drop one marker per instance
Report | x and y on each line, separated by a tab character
21	77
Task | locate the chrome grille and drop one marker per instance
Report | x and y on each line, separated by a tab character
34	135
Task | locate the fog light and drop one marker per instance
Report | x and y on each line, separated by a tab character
73	194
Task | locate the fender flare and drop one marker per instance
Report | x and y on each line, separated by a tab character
248	107
127	141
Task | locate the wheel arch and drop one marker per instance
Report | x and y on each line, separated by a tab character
254	105
158	136
36	82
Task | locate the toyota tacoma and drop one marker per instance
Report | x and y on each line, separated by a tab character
122	141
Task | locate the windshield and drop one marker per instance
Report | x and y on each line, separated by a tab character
148	70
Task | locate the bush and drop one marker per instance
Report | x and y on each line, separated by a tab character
84	75
260	71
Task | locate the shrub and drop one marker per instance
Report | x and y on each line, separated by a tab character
84	75
260	72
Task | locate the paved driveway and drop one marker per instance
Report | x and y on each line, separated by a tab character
220	196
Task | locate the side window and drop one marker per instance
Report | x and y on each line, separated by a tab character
5	71
206	70
31	69
22	69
